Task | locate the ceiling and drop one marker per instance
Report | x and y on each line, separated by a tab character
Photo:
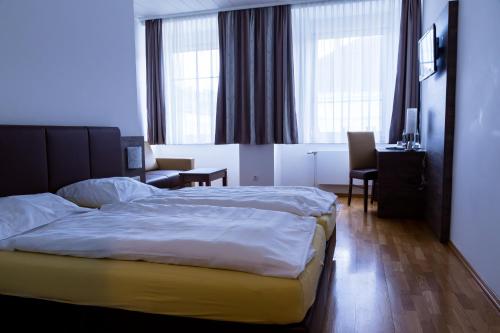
144	9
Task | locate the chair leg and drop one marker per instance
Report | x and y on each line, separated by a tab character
365	196
374	185
350	192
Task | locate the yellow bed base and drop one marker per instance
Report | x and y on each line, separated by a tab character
164	289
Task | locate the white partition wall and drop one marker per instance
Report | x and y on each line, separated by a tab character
297	167
257	165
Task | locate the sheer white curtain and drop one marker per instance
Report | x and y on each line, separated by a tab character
345	56
191	65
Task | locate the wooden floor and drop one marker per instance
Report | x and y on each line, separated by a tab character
394	276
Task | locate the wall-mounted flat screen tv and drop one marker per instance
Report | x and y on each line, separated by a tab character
427	54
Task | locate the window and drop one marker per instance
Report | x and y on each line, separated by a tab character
191	67
345	56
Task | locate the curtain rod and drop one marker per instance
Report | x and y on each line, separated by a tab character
225	9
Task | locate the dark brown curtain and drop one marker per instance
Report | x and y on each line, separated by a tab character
154	83
255	101
406	92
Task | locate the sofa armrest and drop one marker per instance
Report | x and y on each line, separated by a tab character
175	163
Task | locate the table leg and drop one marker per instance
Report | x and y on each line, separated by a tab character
200	183
224	179
208	183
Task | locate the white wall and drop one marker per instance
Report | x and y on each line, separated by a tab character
475	226
140	59
278	161
272	164
207	156
257	165
297	167
431	10
68	62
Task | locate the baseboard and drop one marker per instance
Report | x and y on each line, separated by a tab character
489	293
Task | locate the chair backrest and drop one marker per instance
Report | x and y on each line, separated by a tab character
149	158
362	154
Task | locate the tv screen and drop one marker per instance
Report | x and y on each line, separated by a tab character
427	54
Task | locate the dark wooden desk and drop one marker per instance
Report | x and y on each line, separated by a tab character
204	175
400	192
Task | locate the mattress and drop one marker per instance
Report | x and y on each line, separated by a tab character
328	221
204	293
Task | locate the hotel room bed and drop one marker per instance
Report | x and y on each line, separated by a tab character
236	301
205	293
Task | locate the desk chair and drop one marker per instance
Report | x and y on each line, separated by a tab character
362	162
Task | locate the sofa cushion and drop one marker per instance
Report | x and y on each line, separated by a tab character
149	159
163	178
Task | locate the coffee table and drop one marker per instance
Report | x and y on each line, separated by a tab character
204	175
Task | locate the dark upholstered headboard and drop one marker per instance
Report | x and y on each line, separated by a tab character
37	159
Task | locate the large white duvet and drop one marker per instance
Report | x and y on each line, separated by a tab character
244	239
298	200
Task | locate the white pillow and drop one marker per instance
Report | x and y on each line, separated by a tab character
22	213
98	192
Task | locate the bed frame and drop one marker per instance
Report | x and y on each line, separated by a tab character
37	159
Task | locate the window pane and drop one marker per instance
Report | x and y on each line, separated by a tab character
345	67
191	64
